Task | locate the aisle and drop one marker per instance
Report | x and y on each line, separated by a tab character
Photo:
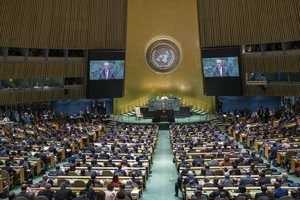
160	185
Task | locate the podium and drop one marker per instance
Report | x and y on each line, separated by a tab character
163	109
164	116
167	104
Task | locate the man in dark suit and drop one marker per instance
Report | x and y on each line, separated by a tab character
64	193
263	192
247	180
24	193
217	192
107	72
120	171
46	192
280	192
263	180
220	70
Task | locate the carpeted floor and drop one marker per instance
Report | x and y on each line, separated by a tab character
194	118
160	185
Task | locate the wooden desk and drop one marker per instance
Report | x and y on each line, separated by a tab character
135	192
99	178
34	162
294	161
1	185
20	173
207	190
281	154
144	170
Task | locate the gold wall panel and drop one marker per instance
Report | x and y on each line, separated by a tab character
169	18
238	22
42	70
271	64
18	97
272	90
63	24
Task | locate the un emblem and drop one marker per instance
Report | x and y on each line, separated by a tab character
163	55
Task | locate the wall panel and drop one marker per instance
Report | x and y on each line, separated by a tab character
271	64
67	24
272	90
39	96
237	22
36	70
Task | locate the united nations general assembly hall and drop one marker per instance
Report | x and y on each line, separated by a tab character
150	99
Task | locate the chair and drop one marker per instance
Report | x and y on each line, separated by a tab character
249	185
60	181
228	164
218	198
219	172
138	114
73	174
40	198
241	198
227	185
107	173
242	164
262	198
79	183
208	156
285	198
9	179
22	198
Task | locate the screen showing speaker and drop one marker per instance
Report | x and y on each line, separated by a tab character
221	67
106	71
221	71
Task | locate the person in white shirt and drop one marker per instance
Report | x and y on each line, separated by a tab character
164	97
110	193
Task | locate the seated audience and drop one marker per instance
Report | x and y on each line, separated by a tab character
64	193
248	180
24	193
217	192
47	192
263	192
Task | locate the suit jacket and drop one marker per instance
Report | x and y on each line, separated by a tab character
280	192
90	193
260	194
28	195
65	194
216	193
80	198
247	180
111	74
216	73
265	180
47	193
